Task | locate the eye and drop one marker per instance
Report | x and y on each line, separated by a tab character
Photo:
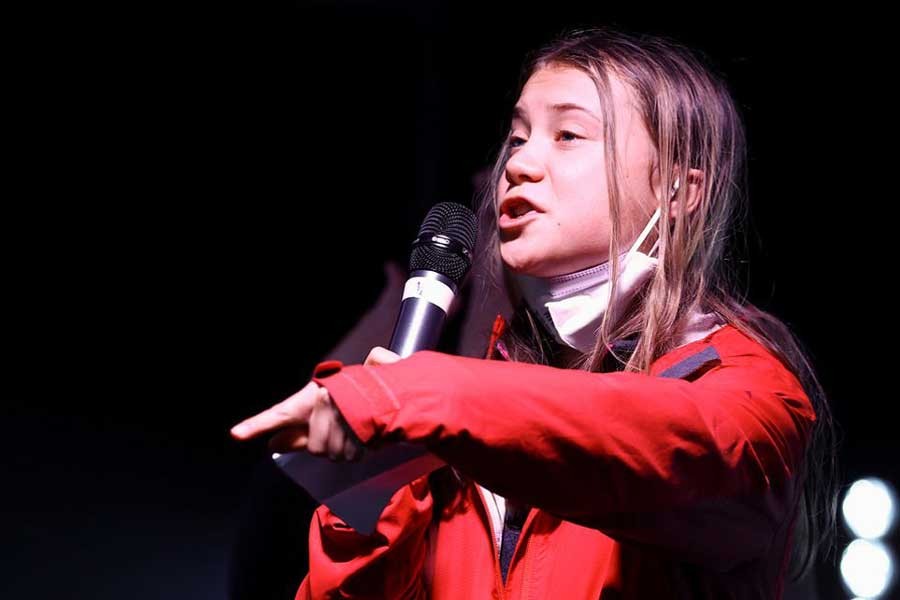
515	141
567	136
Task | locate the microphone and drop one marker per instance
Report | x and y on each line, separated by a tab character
357	492
440	258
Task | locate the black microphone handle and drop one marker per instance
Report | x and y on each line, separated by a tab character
422	312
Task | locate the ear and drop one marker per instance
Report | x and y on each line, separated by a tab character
690	196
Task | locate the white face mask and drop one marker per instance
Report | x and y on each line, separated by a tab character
572	306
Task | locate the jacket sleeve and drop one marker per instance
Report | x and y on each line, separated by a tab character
706	468
387	564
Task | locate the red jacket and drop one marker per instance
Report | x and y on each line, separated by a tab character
678	484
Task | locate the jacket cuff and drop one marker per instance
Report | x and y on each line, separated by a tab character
359	394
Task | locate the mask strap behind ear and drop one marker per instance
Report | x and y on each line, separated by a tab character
640	239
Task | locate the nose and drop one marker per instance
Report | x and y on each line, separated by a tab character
524	165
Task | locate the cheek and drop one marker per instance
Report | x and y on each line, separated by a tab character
587	217
584	173
585	189
591	226
502	186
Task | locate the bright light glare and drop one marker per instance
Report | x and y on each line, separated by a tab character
866	568
869	508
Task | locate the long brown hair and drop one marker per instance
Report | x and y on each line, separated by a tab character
691	117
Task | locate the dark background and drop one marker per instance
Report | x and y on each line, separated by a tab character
215	195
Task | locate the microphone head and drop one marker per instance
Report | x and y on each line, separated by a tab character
446	241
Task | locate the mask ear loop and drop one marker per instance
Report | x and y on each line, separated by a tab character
640	239
637	244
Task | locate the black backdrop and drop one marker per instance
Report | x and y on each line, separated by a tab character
216	193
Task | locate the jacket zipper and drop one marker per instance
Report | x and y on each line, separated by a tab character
486	514
532	514
498	579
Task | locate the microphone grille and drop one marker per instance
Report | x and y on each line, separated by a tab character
446	241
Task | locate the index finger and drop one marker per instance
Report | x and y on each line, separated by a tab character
294	410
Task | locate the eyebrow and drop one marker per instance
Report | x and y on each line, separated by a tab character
519	112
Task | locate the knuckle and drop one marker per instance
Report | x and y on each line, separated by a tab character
282	413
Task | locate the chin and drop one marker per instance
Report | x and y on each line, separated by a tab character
544	266
517	262
526	265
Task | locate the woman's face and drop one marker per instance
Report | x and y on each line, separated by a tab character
557	166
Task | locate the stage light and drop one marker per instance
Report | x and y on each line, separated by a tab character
867	568
869	508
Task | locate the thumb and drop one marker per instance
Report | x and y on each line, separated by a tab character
381	356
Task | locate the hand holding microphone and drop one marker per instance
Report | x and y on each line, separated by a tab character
441	257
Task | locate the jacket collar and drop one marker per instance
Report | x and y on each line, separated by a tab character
694	359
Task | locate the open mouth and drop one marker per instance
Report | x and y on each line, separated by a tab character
515	211
519	208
